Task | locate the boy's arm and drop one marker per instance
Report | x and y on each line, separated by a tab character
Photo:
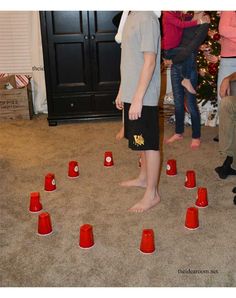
144	80
190	45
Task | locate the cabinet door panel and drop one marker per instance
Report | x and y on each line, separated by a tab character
105	50
67	22
69	51
70	64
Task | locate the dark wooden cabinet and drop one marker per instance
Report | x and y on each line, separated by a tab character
82	64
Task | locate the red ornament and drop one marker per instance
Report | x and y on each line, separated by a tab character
212	70
216	36
212	66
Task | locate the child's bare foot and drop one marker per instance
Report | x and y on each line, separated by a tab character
134	182
175	137
120	134
195	143
149	201
188	85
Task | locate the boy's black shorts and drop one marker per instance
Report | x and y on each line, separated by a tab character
142	134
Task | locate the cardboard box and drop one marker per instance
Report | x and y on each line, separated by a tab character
5	80
15	103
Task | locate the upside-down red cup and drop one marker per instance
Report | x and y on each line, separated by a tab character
171	169
73	170
86	239
202	200
44	224
147	245
108	159
191	220
35	205
50	182
190	180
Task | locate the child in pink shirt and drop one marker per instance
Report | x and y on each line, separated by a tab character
173	26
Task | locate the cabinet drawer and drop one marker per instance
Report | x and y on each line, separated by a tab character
72	105
105	102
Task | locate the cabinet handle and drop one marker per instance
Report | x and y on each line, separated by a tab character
86	37
92	36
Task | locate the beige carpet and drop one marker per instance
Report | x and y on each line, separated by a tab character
31	149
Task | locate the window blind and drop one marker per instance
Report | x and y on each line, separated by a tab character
15	42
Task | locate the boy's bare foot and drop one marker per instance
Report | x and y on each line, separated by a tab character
149	201
188	85
195	143
175	137
120	134
134	182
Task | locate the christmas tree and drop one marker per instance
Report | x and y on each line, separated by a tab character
208	62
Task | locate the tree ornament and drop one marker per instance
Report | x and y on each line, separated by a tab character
216	36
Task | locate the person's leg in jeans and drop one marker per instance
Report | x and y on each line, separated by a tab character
178	92
193	110
185	68
227	133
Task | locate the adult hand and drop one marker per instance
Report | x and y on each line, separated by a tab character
135	109
211	58
206	19
198	15
225	87
119	103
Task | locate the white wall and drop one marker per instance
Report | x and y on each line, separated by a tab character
21	51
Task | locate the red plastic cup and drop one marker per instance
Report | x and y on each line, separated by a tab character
50	182
44	224
147	245
73	170
108	159
171	169
86	236
201	201
190	180
35	205
191	220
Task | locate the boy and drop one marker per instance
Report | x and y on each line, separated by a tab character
138	95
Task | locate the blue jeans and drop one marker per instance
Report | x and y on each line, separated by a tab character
179	92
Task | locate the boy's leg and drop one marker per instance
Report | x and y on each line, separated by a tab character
151	196
141	180
121	132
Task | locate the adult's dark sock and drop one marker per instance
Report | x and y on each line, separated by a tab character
224	172
234	200
228	161
234	190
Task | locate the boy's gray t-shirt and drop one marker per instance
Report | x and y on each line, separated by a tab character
141	34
